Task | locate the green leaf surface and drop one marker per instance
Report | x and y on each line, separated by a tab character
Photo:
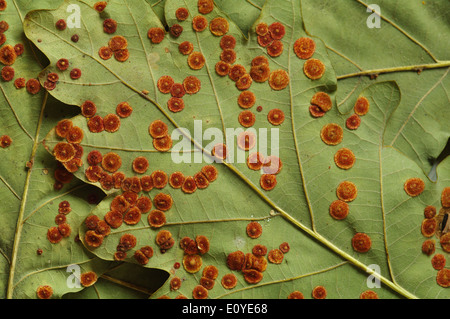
296	211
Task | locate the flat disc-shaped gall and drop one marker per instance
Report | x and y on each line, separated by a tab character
111	162
205	6
443	278
44	292
88	109
414	186
62	64
319	292
96	124
210	172
339	209
236	72
361	242
92	239
353	122
275	49
201	181
275	256
160	179
199	292
278	80
192	263
222	68
202	244
368	294
119	204
63	127
304	48
192	84
75	135
347	191
196	60
158	129
64	152
265	40
276	117
262	29
7	73
244	82
122	55
314	69
227	42
114	219
235	260
445	197
268	182
260	73
100	6
219	26
87	279
144	204
156	218
186	47
189	185
163	144
163	201
132	216
5	141
75	73
220	151
332	134
210	272
228	56
176	180
53	235
109	26
344	158
176	30
229	281
33	86
316	111
362	106
277	30
181	14
124	109
252	276
254	229
177	90
429	227
140	165
322	100
296	295
165	84
156	35
118	42
61	25
199	23
7	55
246	118
246	99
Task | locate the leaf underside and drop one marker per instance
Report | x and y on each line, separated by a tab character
404	128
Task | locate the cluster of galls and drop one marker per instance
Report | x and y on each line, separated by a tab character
63	229
252	265
166	85
68	153
438	225
8	56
